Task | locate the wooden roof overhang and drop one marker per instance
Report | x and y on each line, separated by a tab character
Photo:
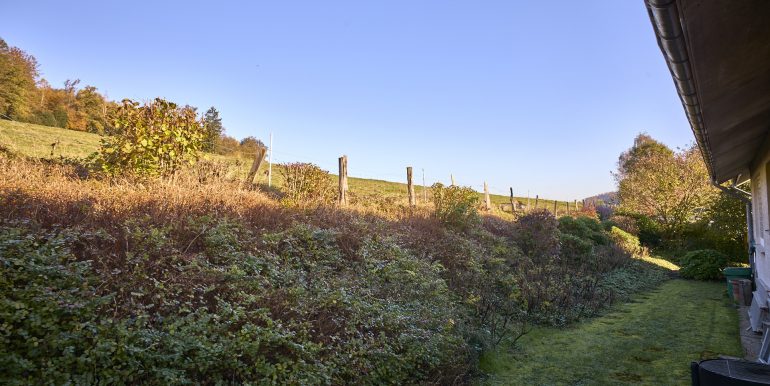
718	53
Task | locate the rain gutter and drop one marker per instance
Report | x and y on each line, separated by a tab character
667	23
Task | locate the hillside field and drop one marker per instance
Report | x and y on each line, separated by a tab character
35	141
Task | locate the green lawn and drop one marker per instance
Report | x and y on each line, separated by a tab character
35	141
650	341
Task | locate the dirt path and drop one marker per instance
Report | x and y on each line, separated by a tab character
651	340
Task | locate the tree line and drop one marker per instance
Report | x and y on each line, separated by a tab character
27	97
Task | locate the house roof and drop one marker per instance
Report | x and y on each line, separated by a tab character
718	53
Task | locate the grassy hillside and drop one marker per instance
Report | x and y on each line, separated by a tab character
36	140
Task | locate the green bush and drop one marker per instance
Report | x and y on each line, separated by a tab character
574	250
650	231
151	140
537	234
456	206
306	183
585	228
704	264
295	312
58	328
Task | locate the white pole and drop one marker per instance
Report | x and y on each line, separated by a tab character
270	164
424	191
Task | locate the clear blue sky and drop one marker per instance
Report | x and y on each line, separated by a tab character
538	95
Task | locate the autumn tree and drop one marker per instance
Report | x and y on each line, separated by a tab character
90	110
18	74
671	188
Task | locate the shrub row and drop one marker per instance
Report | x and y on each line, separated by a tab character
170	284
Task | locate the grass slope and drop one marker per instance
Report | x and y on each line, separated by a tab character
651	341
35	141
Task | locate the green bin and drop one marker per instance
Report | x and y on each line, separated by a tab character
735	273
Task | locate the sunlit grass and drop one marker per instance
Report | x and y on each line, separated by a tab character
663	263
649	341
35	140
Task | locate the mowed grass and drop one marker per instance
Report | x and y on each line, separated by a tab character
35	141
650	341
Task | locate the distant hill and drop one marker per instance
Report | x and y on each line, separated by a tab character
608	198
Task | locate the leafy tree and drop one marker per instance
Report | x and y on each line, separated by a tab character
226	144
90	111
672	188
249	145
214	128
18	72
644	147
154	139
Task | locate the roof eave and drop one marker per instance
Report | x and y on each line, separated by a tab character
667	24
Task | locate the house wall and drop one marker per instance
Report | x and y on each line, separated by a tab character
761	216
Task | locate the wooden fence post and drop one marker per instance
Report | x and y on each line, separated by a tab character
537	199
487	202
258	158
513	203
576	208
555	209
410	186
343	177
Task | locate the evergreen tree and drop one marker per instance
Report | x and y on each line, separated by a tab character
214	128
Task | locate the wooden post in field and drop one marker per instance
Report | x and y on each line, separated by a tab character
576	208
452	177
487	202
555	209
566	203
513	203
584	204
53	146
255	166
410	186
537	198
343	177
